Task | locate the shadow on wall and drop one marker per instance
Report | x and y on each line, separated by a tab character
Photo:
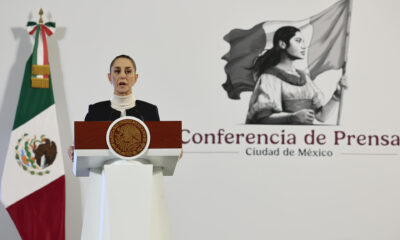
7	114
73	209
7	228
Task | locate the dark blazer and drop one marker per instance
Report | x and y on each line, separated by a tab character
102	111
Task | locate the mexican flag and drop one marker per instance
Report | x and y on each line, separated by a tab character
33	182
326	35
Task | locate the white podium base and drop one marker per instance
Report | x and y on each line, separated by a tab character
126	200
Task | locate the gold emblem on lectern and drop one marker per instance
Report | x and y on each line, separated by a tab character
128	137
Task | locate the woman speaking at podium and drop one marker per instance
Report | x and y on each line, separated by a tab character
123	77
96	219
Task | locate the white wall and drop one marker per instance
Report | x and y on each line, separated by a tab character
178	47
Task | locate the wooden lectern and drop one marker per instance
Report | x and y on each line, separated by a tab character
126	201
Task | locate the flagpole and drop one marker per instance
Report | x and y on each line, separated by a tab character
345	62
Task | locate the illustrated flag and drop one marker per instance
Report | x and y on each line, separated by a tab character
325	34
33	182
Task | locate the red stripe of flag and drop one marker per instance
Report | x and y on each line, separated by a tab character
41	214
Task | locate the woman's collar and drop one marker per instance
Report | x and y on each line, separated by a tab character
298	80
123	102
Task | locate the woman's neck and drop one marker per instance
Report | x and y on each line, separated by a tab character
122	102
287	65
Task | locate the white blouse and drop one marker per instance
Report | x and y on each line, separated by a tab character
273	95
121	103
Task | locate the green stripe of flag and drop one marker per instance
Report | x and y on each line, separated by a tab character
32	101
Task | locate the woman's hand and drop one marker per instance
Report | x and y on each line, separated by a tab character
180	155
304	116
342	84
71	153
317	101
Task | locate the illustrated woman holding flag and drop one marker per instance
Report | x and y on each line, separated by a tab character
284	94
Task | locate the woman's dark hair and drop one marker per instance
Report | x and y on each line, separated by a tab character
273	56
123	56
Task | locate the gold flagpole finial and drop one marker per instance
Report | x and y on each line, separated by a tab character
41	13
